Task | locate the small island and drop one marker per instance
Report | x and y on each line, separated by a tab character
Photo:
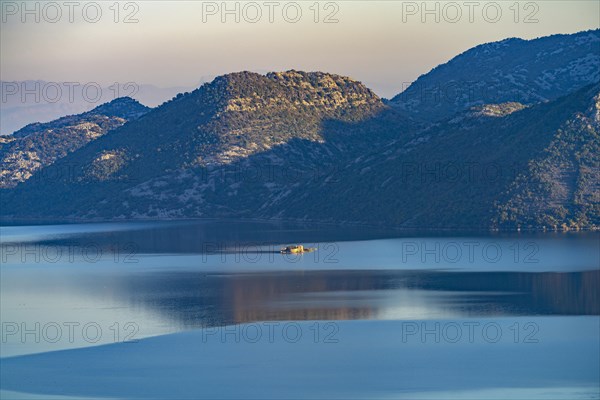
297	249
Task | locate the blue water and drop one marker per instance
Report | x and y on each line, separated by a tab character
78	286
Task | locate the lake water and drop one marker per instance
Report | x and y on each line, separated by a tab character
465	307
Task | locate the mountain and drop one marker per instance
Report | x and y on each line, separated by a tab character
494	167
511	70
38	145
323	147
234	118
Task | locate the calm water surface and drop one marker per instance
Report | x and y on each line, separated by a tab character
72	286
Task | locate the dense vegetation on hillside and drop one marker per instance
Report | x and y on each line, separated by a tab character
452	175
560	189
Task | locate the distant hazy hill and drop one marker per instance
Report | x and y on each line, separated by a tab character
525	71
40	144
25	102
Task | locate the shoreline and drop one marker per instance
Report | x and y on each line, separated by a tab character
8	221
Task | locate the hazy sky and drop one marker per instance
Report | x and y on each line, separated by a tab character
181	43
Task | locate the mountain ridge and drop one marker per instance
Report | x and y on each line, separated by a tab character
518	70
315	146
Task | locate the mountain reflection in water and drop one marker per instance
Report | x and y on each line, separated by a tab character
200	299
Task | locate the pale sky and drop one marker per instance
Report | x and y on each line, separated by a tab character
384	44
